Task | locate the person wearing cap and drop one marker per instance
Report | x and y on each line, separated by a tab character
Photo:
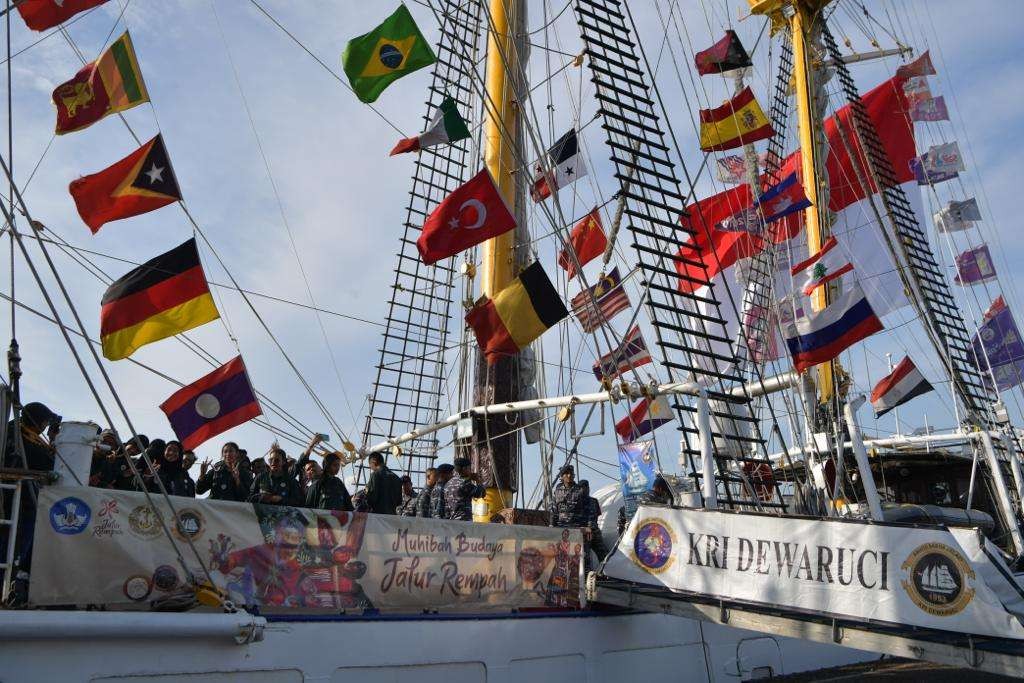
383	488
408	505
569	509
460	491
593	508
421	508
438	509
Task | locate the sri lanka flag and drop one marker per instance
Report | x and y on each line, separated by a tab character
899	386
821	336
645	417
163	297
212	404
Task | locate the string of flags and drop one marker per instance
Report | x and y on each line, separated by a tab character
998	348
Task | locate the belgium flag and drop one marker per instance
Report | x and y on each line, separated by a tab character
163	297
516	315
139	183
374	60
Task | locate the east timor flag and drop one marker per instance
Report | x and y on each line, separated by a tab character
141	182
516	315
163	297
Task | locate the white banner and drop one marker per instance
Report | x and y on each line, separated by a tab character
96	546
893	574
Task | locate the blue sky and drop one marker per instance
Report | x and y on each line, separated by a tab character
343	198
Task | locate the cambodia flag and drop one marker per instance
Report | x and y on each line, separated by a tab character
783	199
212	404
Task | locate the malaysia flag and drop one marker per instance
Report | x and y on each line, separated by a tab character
212	404
645	417
899	386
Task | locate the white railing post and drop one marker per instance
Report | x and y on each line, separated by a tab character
861	456
1002	493
707	453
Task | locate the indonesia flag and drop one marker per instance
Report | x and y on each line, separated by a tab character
825	266
821	336
645	417
901	385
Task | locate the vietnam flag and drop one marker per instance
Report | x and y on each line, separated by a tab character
40	15
139	183
165	296
587	240
212	404
471	214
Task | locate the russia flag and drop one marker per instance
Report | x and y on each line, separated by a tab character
819	337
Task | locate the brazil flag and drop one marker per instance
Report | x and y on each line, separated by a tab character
385	54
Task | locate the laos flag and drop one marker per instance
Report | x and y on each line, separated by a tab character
212	404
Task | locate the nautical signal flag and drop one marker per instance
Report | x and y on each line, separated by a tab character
111	84
736	123
825	266
899	386
632	353
783	199
725	55
922	66
517	315
375	60
975	267
40	15
597	305
212	404
566	167
139	183
446	126
473	213
587	240
644	418
163	297
823	335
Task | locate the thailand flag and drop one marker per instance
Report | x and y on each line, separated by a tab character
902	384
825	266
629	355
783	199
645	417
821	336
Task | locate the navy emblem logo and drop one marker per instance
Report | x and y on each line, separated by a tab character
937	579
70	516
652	546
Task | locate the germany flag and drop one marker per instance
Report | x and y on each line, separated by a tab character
516	315
163	297
139	183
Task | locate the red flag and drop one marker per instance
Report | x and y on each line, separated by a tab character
468	216
40	15
922	66
725	55
587	240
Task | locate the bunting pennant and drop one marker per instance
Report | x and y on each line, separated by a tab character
632	353
587	240
821	336
597	305
566	167
922	66
998	347
974	267
375	60
725	55
932	109
737	122
212	404
899	386
40	15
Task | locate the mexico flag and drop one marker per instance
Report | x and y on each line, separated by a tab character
447	126
902	384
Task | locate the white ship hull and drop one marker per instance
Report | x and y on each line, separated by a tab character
137	647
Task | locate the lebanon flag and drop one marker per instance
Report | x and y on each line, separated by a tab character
40	15
212	404
825	266
902	384
587	240
468	216
447	126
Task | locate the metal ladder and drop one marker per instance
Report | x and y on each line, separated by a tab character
10	524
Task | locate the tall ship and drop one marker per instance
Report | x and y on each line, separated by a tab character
752	222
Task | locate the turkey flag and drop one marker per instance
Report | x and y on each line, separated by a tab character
468	216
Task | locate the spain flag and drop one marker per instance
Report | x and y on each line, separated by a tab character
736	123
163	297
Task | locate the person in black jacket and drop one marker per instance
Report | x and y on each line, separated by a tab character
230	479
276	486
384	488
329	491
172	474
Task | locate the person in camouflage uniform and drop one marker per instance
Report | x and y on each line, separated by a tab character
422	506
408	505
460	491
593	508
569	509
437	501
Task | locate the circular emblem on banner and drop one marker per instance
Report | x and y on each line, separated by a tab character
70	516
652	546
390	56
144	522
137	587
207	406
191	524
165	578
937	579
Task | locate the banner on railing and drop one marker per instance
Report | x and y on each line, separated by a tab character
880	572
97	546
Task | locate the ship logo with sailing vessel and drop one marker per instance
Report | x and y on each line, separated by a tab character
938	579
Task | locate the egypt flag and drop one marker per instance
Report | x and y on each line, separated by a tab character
212	404
566	167
899	386
825	266
447	126
163	297
823	335
517	315
473	213
40	15
139	183
738	122
111	84
587	240
375	60
645	417
725	55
